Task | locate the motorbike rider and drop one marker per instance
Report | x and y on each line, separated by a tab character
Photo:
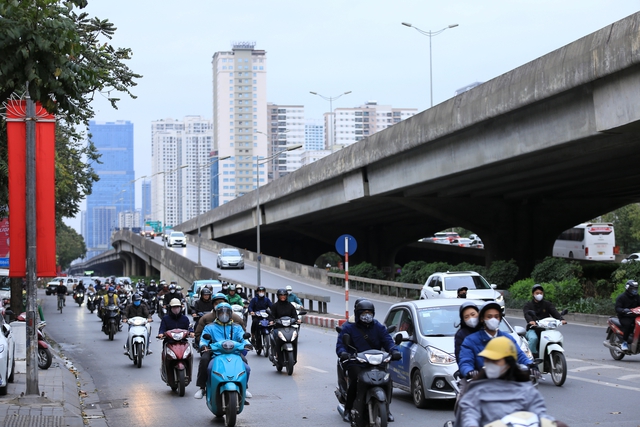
499	389
462	292
624	303
91	289
204	304
282	308
543	308
137	308
225	288
223	328
61	292
80	287
172	293
211	316
469	323
257	303
234	296
366	334
152	286
291	297
111	298
174	319
470	361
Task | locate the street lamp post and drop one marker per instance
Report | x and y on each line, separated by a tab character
430	34
198	197
332	121
273	150
132	199
259	216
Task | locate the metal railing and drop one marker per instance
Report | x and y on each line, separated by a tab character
381	287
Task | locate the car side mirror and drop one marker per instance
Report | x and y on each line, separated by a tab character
436	289
494	286
208	337
520	330
398	338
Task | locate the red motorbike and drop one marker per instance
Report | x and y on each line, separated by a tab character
44	353
177	360
614	337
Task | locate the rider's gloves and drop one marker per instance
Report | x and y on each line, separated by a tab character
344	356
471	374
534	371
203	348
396	355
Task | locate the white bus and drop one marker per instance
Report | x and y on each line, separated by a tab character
591	241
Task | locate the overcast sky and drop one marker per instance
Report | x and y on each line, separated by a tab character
332	46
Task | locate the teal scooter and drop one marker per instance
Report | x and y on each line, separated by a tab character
227	382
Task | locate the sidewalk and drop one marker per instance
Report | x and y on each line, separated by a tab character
61	402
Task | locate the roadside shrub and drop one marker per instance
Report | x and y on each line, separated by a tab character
409	273
592	305
431	268
365	269
555	270
521	290
502	273
617	291
566	292
628	271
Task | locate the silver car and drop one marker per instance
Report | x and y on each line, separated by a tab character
230	258
428	363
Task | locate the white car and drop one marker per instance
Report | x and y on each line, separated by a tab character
177	238
632	257
7	355
463	242
230	258
446	285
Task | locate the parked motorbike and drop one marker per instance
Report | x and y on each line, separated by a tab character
45	358
550	348
284	344
78	297
261	339
370	407
136	347
177	360
91	301
615	334
227	380
111	320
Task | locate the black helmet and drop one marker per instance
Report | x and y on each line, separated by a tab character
136	297
362	305
172	288
631	285
281	292
466	305
206	291
489	305
261	288
537	287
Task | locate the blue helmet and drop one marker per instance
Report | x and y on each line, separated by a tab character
223	312
221	296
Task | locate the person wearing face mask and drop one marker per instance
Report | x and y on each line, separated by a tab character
137	308
174	319
624	303
499	389
469	323
470	361
257	303
291	297
366	334
542	308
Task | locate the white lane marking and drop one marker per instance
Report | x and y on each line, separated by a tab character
628	377
590	368
315	369
624	387
575	360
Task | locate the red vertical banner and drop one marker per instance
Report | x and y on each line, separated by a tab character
45	190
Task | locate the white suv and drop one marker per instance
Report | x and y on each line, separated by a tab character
446	285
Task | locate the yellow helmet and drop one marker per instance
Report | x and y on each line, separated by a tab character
499	348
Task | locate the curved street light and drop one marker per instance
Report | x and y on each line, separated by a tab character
331	99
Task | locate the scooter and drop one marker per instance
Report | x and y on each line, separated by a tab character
161	310
262	334
91	301
550	348
78	296
45	358
227	380
371	406
516	419
284	344
111	320
177	360
136	347
152	302
615	334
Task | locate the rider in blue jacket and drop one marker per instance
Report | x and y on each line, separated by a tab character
257	303
471	362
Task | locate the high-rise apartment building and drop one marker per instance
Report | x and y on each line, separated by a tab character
286	129
180	184
114	192
145	211
354	124
314	135
239	112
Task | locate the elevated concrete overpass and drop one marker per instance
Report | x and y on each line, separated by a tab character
517	160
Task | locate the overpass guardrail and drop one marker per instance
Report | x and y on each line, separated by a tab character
381	287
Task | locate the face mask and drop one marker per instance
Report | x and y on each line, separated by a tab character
224	318
634	292
136	303
539	297
260	294
366	318
471	322
462	295
175	310
288	292
492	324
494	371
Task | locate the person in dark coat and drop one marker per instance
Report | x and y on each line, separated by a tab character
543	308
174	319
624	303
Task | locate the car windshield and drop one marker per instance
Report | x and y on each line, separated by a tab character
454	283
177	234
439	321
230	252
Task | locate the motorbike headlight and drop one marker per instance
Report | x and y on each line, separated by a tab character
294	336
281	336
171	353
375	359
187	352
439	357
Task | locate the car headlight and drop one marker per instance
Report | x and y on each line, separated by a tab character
524	346
500	298
1	348
439	357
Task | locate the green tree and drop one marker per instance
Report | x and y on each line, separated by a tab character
626	222
70	245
